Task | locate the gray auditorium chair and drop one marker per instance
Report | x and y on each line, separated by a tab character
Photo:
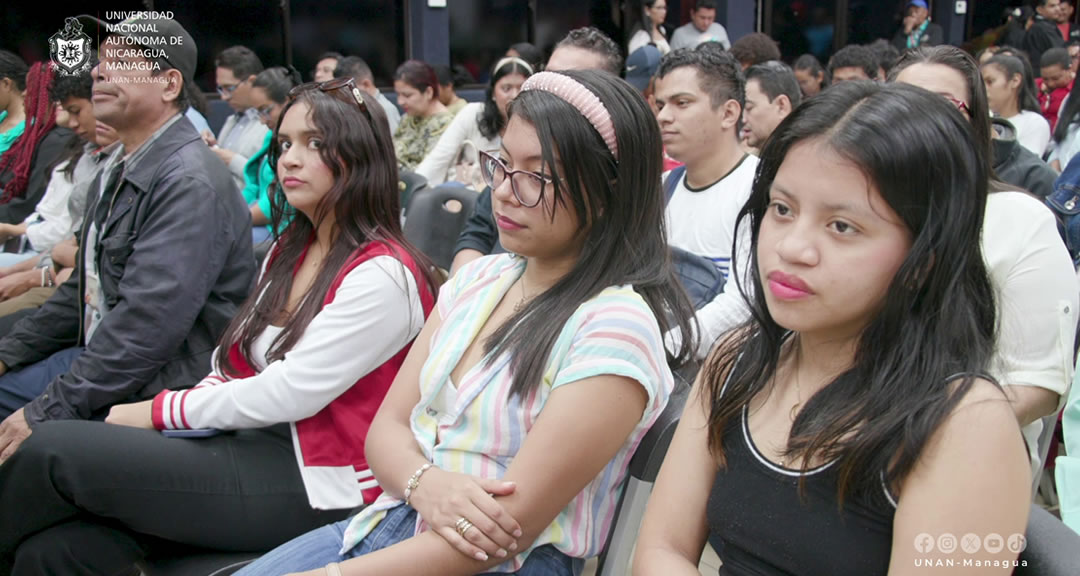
431	225
644	466
408	183
1053	549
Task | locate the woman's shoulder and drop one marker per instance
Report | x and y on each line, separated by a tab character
621	307
1013	219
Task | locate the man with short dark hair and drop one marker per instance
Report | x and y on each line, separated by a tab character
586	49
755	48
1043	34
917	29
581	49
243	133
702	27
700	94
1054	83
772	93
852	62
165	258
324	67
356	68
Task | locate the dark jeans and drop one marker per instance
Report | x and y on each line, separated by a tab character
85	497
19	387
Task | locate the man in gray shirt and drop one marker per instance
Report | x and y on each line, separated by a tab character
701	28
360	72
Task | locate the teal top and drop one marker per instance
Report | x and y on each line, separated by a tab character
1067	467
8	138
258	176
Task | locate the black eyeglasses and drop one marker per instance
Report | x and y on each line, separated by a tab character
352	93
265	111
528	187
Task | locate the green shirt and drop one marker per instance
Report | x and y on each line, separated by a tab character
417	135
8	138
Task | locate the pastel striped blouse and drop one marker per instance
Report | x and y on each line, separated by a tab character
614	333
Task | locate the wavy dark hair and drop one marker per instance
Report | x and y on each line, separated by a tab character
627	240
277	82
490	121
365	204
1015	66
938	318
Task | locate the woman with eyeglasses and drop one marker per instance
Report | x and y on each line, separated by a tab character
297	378
505	439
850	422
425	118
269	94
479	126
1029	265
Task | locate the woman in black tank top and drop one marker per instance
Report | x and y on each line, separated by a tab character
845	429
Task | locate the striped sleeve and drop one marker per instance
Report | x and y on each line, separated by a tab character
617	335
467	277
167	410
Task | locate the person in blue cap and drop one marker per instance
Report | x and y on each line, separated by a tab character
918	30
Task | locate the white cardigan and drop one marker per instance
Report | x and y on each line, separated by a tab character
464	127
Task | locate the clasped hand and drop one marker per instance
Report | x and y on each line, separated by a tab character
443	498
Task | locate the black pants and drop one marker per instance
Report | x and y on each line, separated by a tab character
87	497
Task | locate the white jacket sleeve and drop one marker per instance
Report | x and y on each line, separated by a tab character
375	313
728	309
51	221
441	158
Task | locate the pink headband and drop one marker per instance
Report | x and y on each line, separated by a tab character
578	96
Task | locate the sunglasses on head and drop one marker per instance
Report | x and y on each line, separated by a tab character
345	86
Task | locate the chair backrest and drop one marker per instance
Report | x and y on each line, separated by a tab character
1053	549
644	466
217	112
431	223
408	183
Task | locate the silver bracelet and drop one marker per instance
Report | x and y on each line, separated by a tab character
414	481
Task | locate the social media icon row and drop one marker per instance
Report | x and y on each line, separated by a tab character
970	543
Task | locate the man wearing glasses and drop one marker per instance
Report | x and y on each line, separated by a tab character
243	134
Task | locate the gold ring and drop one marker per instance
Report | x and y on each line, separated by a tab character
462	526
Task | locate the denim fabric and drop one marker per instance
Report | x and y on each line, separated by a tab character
320	547
19	387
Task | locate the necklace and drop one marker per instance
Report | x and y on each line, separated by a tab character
523	301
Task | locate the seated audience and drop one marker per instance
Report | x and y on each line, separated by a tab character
1066	142
449	79
1033	278
700	94
853	411
810	74
1054	83
649	26
772	93
1043	33
756	48
269	93
13	72
479	127
886	55
25	168
325	66
557	347
916	29
243	133
852	62
425	117
702	27
360	72
159	275
299	374
1010	92
581	49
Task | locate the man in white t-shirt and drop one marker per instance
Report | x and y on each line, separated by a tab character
700	94
701	28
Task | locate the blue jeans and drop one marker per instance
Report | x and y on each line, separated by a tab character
320	547
19	387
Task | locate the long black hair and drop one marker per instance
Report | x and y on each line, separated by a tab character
626	242
277	82
364	201
1068	115
1011	66
490	121
937	319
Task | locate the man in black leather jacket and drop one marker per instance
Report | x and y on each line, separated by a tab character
1016	165
165	259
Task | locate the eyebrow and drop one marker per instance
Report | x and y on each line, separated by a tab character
828	206
678	95
303	134
525	160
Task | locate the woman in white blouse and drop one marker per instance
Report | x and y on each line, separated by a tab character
650	30
478	127
1010	91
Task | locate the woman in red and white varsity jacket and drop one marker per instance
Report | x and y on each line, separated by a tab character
297	378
